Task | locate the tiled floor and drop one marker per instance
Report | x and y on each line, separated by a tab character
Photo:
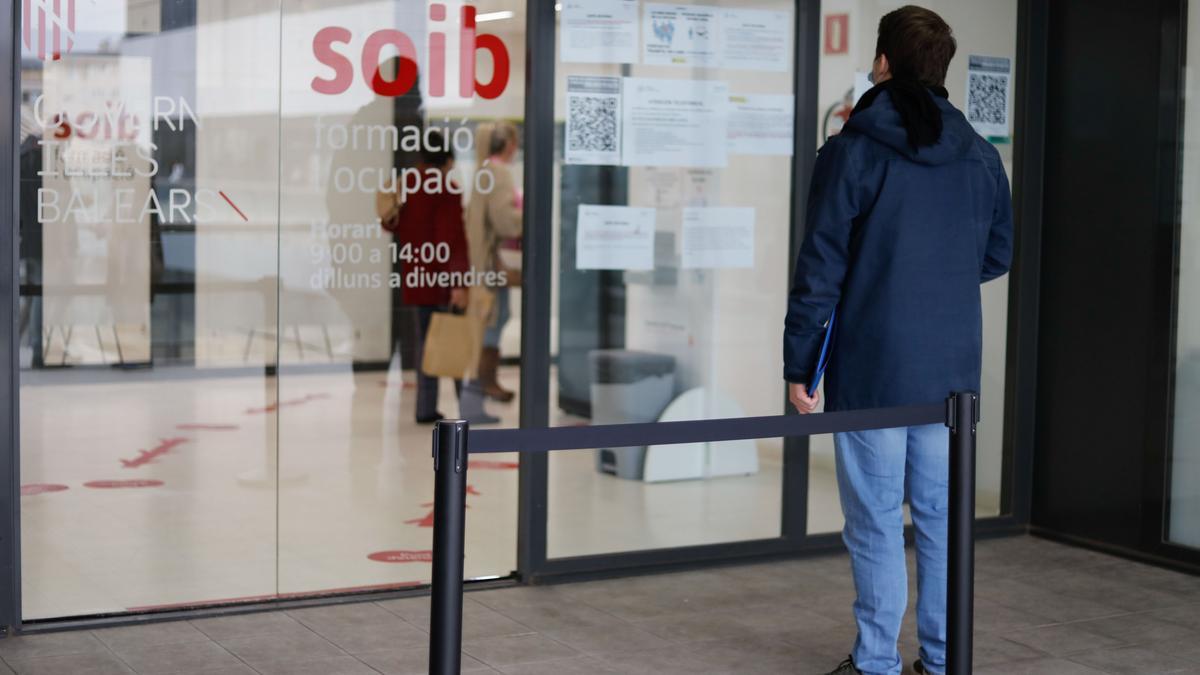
1041	608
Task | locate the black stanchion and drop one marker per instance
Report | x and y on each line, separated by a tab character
962	414
449	527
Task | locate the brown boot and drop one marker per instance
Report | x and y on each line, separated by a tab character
489	362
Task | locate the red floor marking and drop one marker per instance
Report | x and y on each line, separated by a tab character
401	556
41	488
403	385
276	406
280	596
472	491
491	464
427	519
136	483
235	208
206	427
146	456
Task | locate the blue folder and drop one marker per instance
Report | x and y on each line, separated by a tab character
823	357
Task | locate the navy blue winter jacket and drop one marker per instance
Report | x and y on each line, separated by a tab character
899	241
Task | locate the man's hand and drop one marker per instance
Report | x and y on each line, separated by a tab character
458	298
798	395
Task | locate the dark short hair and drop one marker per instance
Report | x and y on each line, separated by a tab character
434	152
918	45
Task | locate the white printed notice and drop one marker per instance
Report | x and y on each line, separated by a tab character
593	127
755	39
614	238
761	124
679	35
599	31
674	122
717	237
989	84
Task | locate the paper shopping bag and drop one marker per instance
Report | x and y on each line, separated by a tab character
450	345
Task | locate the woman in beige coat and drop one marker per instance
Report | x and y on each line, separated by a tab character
493	216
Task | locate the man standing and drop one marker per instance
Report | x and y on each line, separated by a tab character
908	213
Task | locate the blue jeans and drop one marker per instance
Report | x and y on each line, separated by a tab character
491	335
877	470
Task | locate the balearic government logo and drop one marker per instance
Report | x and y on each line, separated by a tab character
48	26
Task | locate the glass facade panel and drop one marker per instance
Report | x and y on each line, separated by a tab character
235	217
673	216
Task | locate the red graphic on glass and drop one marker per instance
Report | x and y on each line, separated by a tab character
55	22
41	489
113	484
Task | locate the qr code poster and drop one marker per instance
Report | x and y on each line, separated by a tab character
593	129
989	89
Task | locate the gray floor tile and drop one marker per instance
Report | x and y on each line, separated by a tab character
340	665
1140	629
276	648
580	665
354	614
992	617
150	635
1184	648
66	643
356	639
511	650
994	650
696	627
413	661
560	615
1058	607
673	660
75	664
178	659
758	655
1185	615
1134	661
479	621
1064	639
1039	667
521	597
607	639
246	625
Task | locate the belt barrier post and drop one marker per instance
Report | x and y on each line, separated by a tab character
449	528
962	414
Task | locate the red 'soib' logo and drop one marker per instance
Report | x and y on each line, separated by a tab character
468	45
52	24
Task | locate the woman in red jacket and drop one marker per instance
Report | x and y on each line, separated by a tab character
431	239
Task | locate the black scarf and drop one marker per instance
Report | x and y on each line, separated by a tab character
919	113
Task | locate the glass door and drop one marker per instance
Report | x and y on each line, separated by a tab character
237	222
672	221
149	282
400	181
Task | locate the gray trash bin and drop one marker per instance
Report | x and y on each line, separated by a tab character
628	386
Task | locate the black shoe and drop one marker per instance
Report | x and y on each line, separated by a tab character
430	419
846	668
919	668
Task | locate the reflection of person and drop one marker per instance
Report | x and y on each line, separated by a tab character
909	212
425	220
492	216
